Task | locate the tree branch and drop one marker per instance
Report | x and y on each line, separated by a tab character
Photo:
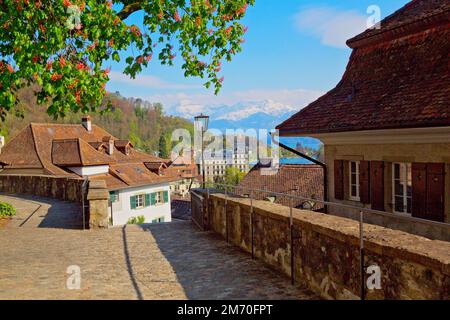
128	9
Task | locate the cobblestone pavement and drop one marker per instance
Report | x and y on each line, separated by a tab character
33	211
165	261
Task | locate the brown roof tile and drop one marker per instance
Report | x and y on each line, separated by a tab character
54	147
402	83
76	152
303	180
414	16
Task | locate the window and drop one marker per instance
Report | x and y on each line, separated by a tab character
160	197
354	180
140	201
402	187
113	196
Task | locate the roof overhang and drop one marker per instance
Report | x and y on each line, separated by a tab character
385	136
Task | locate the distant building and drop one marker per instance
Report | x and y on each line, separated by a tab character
302	180
185	168
138	182
216	165
386	125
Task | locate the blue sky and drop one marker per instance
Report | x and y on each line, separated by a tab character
294	52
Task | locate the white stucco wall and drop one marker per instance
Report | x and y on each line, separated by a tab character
90	170
122	212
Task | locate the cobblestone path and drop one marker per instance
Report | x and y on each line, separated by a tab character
164	261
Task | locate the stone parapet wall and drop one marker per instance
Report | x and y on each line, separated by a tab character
62	188
326	253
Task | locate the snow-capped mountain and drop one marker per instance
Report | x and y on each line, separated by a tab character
264	114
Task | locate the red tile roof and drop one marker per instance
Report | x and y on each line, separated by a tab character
398	83
414	16
76	152
303	180
54	147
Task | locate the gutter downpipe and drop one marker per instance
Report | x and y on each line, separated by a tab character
323	165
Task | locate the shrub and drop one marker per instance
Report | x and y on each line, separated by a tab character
6	210
136	220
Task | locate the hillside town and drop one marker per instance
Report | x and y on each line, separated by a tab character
346	198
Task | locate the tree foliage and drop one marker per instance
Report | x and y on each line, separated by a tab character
62	45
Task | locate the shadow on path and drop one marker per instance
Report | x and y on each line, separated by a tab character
40	212
129	264
208	268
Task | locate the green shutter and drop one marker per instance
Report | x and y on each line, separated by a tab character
166	196
133	202
147	199
153	199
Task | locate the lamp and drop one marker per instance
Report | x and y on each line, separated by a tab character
201	123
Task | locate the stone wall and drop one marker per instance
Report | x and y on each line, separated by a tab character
326	254
69	189
98	197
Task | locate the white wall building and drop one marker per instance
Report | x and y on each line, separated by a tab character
150	202
215	166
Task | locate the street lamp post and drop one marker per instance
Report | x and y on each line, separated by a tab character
202	122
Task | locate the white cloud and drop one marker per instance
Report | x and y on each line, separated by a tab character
334	27
147	81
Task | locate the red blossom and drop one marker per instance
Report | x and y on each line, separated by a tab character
176	16
10	68
160	15
56	76
80	66
66	3
221	79
148	58
62	62
78	96
140	59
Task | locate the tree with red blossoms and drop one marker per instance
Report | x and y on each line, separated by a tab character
61	47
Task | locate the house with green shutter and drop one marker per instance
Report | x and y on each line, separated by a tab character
139	183
151	202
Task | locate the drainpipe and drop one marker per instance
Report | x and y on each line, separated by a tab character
315	161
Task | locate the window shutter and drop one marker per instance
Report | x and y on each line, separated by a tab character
339	179
147	199
364	181
133	202
153	199
377	185
419	190
435	192
166	196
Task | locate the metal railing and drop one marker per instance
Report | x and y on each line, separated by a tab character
231	190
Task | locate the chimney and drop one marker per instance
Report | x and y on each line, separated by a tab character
110	146
109	141
86	122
